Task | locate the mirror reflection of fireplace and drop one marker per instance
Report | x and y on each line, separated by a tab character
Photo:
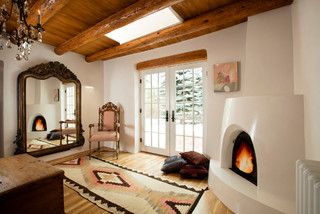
49	102
244	161
39	124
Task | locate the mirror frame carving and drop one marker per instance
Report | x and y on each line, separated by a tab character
44	71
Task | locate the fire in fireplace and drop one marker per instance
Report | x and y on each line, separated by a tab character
39	124
244	158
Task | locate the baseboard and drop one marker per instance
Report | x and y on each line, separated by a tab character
69	157
77	155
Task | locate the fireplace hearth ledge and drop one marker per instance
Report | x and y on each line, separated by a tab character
228	186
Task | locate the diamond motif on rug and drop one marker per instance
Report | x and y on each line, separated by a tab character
110	178
121	190
179	207
74	162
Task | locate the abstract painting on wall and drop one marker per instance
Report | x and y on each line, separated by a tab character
226	77
56	95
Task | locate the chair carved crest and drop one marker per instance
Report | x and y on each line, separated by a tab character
109	107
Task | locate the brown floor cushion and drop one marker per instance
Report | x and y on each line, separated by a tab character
195	158
193	171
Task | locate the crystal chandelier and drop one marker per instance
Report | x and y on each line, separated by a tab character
24	34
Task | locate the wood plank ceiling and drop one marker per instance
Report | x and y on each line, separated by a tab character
69	23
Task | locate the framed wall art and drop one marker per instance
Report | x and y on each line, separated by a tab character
226	77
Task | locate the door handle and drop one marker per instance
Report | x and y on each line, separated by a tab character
167	115
172	117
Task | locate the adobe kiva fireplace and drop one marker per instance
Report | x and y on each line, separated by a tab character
261	139
244	158
39	124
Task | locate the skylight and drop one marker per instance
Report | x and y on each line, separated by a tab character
146	25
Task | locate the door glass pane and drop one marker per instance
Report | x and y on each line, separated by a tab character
162	95
162	80
198	142
198	130
147	81
189	109
179	127
162	141
155	95
155	123
147	96
147	117
188	143
155	137
162	119
147	138
155	118
155	80
179	143
70	103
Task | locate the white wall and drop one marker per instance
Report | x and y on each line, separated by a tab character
272	75
89	74
306	52
1	108
269	63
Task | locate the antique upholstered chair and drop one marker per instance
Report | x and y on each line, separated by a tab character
108	128
67	128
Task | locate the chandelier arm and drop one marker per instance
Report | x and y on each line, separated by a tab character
24	17
11	9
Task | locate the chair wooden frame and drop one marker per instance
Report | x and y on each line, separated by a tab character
107	107
67	130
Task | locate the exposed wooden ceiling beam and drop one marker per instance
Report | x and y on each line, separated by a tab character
192	56
176	39
217	19
48	9
131	13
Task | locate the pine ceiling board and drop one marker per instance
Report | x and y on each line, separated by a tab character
95	46
78	15
93	11
192	8
52	39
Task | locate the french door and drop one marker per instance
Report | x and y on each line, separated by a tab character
70	101
172	109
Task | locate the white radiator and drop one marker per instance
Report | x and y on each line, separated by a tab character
307	187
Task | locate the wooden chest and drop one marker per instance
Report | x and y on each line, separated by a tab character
28	185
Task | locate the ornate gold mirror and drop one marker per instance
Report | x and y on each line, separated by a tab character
49	110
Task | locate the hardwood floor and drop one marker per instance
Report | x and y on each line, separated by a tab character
74	203
151	164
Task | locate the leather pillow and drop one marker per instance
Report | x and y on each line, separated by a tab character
173	164
54	136
193	171
172	158
195	158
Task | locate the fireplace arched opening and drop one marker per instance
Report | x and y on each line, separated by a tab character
39	124
244	161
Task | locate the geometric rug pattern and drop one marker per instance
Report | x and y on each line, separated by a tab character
118	189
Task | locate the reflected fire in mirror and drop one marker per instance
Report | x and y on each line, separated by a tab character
244	158
39	125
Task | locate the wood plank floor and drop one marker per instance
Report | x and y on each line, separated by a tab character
151	164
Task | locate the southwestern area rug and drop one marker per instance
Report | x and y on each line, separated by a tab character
118	189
